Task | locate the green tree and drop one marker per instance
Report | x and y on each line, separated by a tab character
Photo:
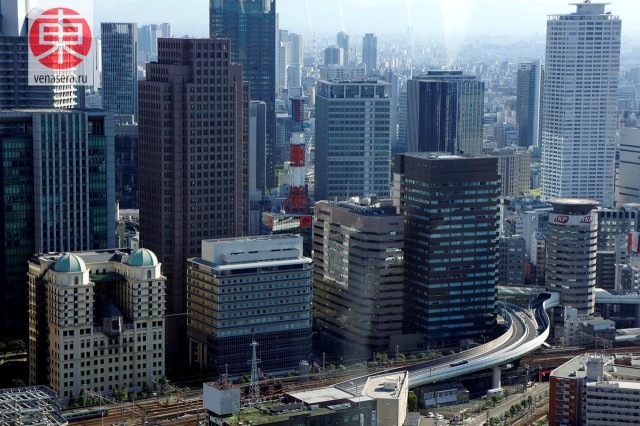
72	399
82	397
3	346
17	346
412	357
401	358
412	402
18	383
529	400
124	395
494	400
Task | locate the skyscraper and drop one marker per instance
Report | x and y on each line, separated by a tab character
251	26
342	40
370	53
579	110
333	55
353	139
572	242
148	36
58	194
120	68
528	103
194	117
628	184
451	216
445	113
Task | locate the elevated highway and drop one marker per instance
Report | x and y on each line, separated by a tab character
527	329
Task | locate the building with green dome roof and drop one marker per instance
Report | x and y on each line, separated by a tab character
107	306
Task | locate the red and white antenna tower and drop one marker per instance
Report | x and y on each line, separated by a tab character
297	201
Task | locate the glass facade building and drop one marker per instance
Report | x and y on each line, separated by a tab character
445	113
58	193
451	223
251	27
353	139
120	68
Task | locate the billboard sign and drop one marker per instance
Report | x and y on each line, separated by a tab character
634	242
572	220
61	47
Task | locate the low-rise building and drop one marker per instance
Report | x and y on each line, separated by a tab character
378	401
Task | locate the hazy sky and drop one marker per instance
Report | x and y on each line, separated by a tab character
448	18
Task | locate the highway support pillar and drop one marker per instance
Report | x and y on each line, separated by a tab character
496	377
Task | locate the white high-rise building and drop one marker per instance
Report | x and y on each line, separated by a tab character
579	106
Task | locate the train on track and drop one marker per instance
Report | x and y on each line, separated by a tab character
86	413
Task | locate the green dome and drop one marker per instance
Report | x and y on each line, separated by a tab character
142	257
69	263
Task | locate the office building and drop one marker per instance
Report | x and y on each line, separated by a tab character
571	254
511	260
342	40
294	70
529	90
194	181
126	167
257	147
120	68
148	36
595	389
358	295
249	289
445	113
15	91
251	26
401	143
612	402
283	60
58	191
89	327
514	168
628	184
333	55
451	225
337	72
370	53
579	112
353	139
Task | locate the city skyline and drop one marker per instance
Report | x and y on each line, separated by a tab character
450	20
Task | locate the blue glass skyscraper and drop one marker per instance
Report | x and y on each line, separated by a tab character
251	26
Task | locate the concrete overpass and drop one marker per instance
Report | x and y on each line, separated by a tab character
527	329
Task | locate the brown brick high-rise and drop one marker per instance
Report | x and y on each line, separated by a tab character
193	110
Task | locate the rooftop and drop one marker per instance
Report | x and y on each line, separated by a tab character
33	405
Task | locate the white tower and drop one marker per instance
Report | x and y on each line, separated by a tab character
579	106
